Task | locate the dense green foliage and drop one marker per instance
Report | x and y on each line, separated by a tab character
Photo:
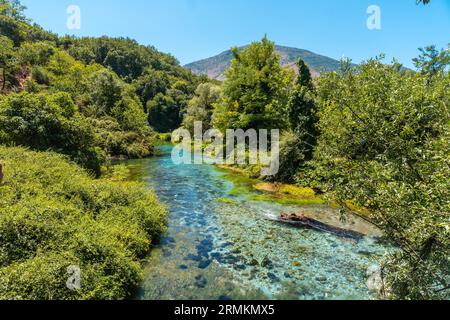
61	95
112	82
259	94
15	26
384	145
161	84
256	91
53	215
163	113
49	122
201	106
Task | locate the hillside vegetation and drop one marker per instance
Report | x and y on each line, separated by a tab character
65	108
89	98
54	215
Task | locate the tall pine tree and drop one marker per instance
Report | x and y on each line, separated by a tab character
297	145
302	111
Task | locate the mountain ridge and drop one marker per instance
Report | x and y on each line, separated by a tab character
214	67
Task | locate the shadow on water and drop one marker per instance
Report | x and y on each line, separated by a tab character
221	250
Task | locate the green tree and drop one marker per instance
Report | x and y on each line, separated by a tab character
384	146
432	61
297	146
105	91
121	127
163	113
13	9
110	96
129	113
35	53
7	60
304	78
49	122
54	215
256	90
150	84
201	106
16	27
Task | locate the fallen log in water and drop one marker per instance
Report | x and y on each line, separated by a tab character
301	220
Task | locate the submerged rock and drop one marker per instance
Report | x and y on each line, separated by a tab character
266	263
204	264
216	256
200	281
193	257
167	253
375	281
253	263
240	267
273	277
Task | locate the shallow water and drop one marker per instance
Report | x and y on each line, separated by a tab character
216	250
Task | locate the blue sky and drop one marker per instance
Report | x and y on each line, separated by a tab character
195	29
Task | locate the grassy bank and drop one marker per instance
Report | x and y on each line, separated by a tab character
256	189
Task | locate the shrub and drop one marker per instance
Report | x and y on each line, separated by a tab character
53	215
384	146
116	142
49	122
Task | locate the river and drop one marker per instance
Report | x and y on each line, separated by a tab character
223	250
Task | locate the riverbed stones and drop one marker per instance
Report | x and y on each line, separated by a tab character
193	257
266	263
204	264
253	263
375	279
273	277
200	281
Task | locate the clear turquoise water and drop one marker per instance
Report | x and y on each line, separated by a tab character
214	250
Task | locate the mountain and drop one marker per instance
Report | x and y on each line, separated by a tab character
215	67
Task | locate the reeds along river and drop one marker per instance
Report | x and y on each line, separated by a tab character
217	249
